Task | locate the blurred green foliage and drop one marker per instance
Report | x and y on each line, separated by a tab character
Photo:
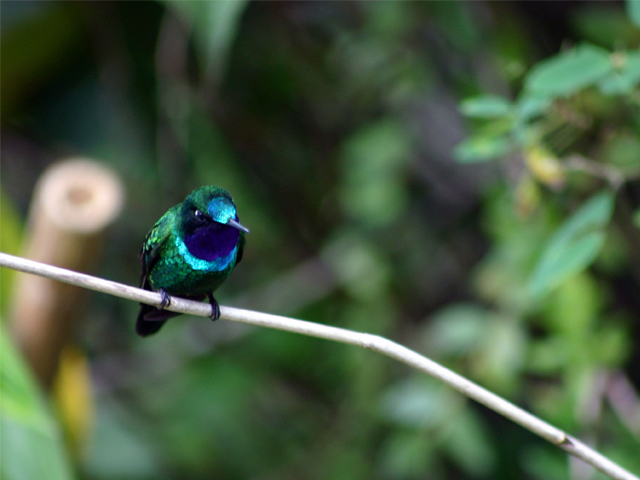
32	446
575	245
337	126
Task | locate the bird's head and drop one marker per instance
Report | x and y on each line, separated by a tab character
209	207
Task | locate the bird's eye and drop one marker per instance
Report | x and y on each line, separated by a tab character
198	214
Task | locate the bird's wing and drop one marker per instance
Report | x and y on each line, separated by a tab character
153	243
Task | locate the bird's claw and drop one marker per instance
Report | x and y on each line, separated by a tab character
165	299
215	308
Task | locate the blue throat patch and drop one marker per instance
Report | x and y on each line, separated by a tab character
217	265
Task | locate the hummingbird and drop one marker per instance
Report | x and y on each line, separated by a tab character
189	253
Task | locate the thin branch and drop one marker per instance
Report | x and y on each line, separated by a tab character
610	174
365	340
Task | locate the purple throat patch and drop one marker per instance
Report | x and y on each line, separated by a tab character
212	242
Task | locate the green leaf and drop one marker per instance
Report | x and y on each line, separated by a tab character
632	66
407	454
10	242
636	219
615	85
456	329
500	357
574	306
612	345
469	444
574	246
626	78
30	442
530	106
485	106
374	159
418	403
481	148
568	72
633	10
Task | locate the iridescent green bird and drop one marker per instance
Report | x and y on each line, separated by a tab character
189	253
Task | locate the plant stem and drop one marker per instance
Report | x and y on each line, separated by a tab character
372	342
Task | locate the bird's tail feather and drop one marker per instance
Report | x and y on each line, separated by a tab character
151	319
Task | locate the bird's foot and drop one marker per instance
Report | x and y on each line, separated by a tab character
215	308
165	299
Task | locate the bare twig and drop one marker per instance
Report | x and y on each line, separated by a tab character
365	340
610	174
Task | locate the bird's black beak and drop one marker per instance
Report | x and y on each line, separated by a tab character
232	223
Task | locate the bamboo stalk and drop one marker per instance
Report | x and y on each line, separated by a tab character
73	202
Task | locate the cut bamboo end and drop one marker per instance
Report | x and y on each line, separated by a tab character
80	195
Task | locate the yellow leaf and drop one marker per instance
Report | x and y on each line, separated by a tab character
72	393
527	196
545	166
